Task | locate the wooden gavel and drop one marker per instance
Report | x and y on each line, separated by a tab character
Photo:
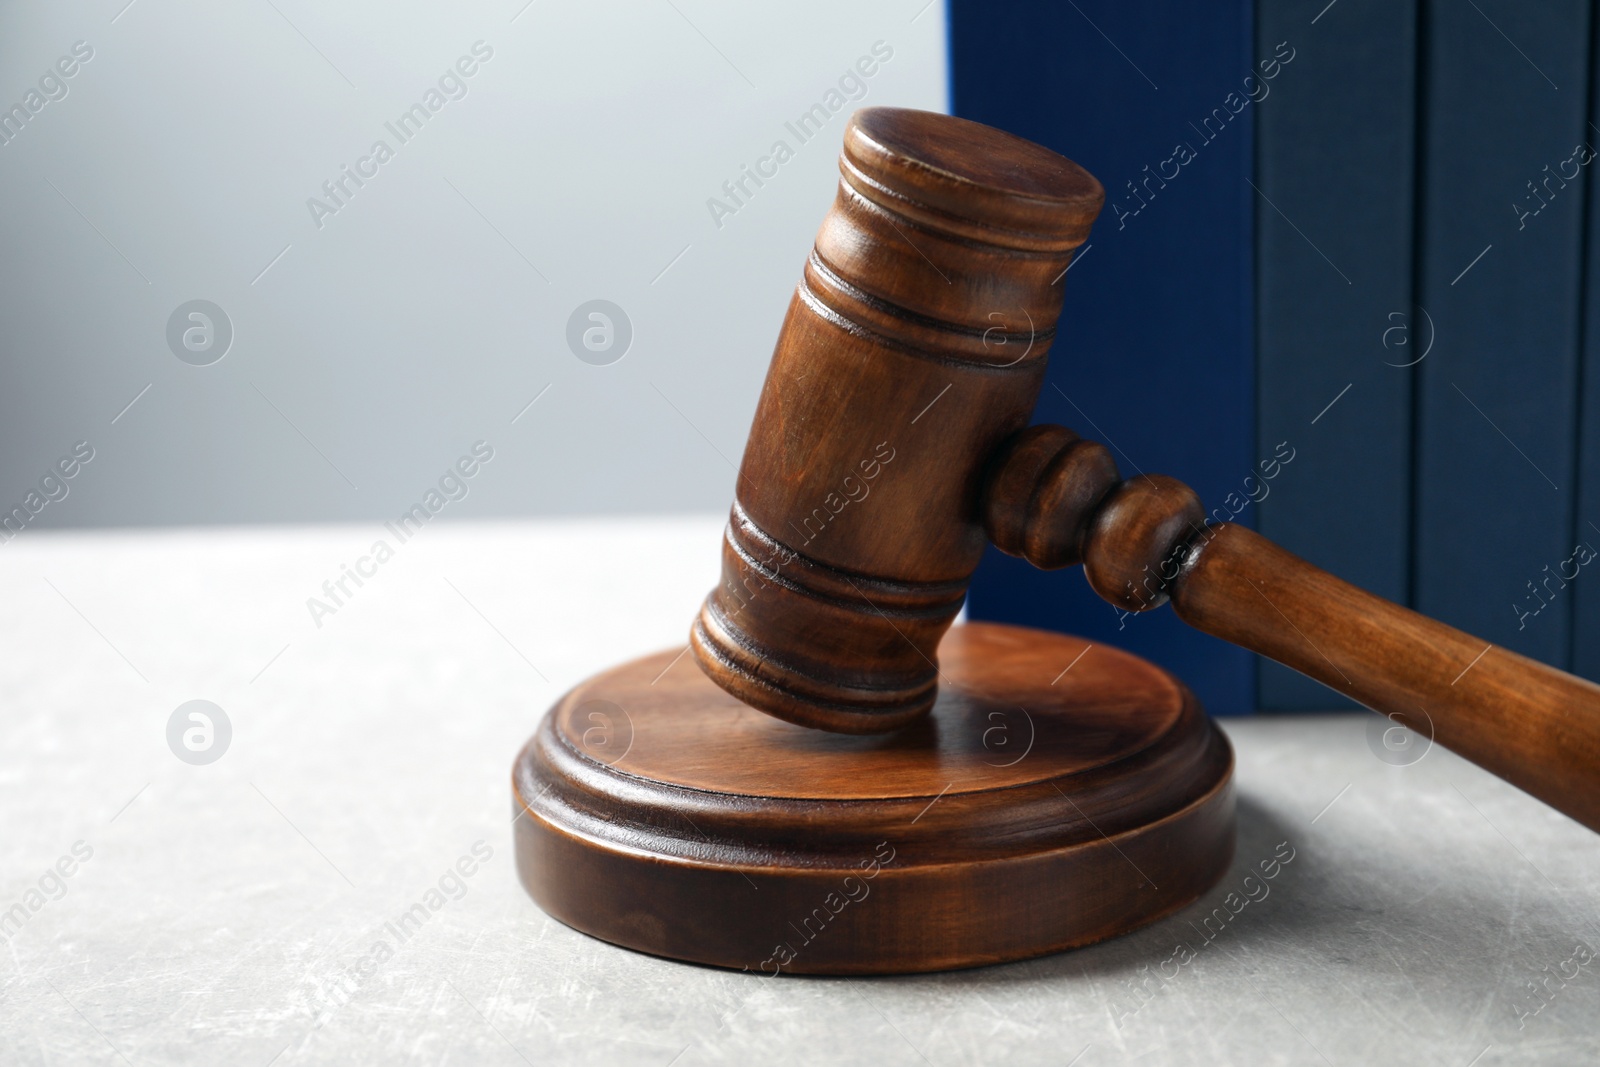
890	444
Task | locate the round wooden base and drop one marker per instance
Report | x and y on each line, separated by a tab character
1059	793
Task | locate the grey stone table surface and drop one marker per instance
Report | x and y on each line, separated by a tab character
159	911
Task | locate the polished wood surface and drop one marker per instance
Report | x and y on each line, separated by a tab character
889	443
1145	541
914	345
1057	794
1004	793
1531	724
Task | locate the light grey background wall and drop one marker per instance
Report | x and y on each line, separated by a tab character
377	335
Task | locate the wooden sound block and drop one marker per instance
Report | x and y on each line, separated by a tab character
1058	794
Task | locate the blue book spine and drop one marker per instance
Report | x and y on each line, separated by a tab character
1506	146
1584	646
1337	334
1155	354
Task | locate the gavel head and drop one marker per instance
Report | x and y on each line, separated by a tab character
914	346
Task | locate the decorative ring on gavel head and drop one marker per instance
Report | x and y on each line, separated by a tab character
914	347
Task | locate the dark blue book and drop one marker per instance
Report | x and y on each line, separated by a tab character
1583	564
1337	332
1585	550
1506	156
1155	354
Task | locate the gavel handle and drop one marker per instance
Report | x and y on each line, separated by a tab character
1533	725
1056	500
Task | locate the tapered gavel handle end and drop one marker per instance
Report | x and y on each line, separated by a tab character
1533	725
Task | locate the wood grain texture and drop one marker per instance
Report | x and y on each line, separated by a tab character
1036	808
1533	725
914	345
889	440
1144	541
